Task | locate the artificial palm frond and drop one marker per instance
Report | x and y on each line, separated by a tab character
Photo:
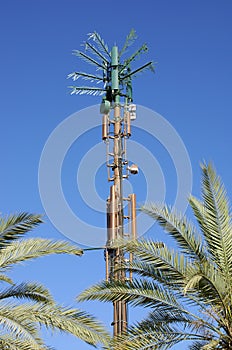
136	54
100	42
85	76
19	251
131	37
93	49
88	59
14	226
31	291
81	90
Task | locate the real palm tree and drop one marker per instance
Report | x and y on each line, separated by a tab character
187	288
20	320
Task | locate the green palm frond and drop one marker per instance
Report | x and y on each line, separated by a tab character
16	320
148	338
78	323
82	90
31	291
88	59
100	42
189	289
23	321
152	260
130	39
9	342
184	232
14	226
19	251
85	76
216	227
4	278
137	54
198	345
97	53
146	66
138	292
205	280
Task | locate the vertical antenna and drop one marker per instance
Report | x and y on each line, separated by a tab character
116	130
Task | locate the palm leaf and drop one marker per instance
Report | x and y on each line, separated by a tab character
9	342
16	320
152	261
31	291
19	251
78	323
184	233
4	278
148	338
14	226
217	227
137	292
198	345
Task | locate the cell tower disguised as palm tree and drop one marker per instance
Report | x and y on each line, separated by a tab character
118	110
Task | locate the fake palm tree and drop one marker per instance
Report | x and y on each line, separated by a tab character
20	319
188	289
114	74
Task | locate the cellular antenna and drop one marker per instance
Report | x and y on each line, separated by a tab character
117	111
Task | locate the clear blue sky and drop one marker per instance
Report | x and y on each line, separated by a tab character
191	43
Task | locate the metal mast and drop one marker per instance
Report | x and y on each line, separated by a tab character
118	111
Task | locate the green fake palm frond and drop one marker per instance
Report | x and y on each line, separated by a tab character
100	42
82	90
88	59
85	76
97	53
147	66
130	39
137	54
